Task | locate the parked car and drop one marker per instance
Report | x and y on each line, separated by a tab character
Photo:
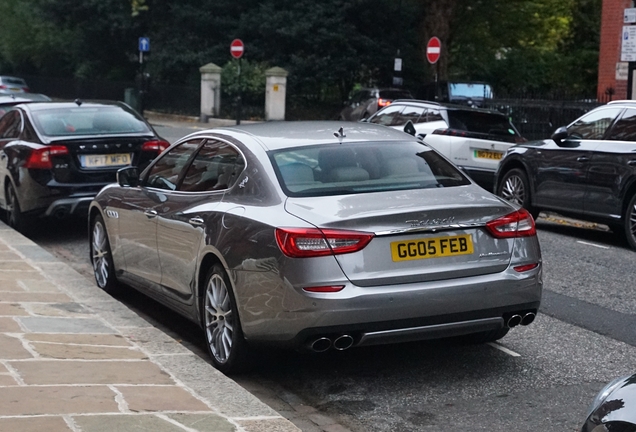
367	101
305	235
56	156
456	92
473	139
10	84
7	102
587	170
614	408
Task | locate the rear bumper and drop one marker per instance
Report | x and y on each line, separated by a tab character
397	313
68	206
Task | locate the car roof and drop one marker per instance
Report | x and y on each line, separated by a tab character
15	98
448	106
280	135
622	102
45	105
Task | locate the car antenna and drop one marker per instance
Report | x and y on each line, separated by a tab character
340	134
78	102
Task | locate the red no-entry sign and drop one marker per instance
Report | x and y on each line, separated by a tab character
433	50
237	48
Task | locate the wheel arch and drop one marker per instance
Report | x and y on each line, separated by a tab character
628	193
209	259
510	165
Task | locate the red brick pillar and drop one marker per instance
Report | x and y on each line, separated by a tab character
610	50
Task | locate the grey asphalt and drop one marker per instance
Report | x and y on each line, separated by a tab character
72	358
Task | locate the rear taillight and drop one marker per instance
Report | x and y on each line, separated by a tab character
26	89
2	86
324	289
383	102
452	132
526	267
156	146
41	158
313	242
517	224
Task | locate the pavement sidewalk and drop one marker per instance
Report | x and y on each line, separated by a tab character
72	358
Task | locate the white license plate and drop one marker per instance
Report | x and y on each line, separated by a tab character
96	161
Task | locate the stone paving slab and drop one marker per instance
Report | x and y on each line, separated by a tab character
34	424
51	372
12	348
83	352
160	398
80	339
34	400
9	325
73	358
64	325
12	309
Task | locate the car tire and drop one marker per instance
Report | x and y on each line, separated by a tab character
101	256
485	336
15	218
515	187
221	325
629	222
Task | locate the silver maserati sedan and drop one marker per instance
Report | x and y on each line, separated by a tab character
308	235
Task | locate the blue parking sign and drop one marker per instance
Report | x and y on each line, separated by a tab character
144	44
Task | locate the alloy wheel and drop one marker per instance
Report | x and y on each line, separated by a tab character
513	190
99	255
219	318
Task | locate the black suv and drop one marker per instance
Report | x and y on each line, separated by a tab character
586	170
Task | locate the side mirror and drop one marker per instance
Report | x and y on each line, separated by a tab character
128	176
409	128
560	135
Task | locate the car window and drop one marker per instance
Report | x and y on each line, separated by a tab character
625	127
215	167
355	168
594	124
82	120
411	113
387	116
481	122
10	125
432	114
164	174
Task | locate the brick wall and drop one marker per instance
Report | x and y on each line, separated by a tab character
610	49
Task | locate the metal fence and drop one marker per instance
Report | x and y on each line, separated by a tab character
536	116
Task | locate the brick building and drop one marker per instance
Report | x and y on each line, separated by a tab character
612	72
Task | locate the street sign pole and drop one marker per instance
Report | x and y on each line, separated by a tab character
144	47
236	50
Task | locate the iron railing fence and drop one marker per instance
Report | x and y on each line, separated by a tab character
536	115
538	118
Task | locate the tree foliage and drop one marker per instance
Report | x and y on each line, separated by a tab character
328	46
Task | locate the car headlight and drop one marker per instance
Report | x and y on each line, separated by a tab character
604	393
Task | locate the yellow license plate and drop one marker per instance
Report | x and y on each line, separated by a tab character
435	247
487	154
92	161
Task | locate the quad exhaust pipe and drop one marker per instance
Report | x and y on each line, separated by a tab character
517	319
340	343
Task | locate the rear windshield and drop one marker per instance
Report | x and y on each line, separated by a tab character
395	94
355	168
108	120
17	81
481	122
471	90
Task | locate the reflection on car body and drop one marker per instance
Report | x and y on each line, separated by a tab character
284	234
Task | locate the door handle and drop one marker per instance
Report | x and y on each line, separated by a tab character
150	213
583	159
196	221
632	162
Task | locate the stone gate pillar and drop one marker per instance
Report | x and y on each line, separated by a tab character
275	93
210	91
